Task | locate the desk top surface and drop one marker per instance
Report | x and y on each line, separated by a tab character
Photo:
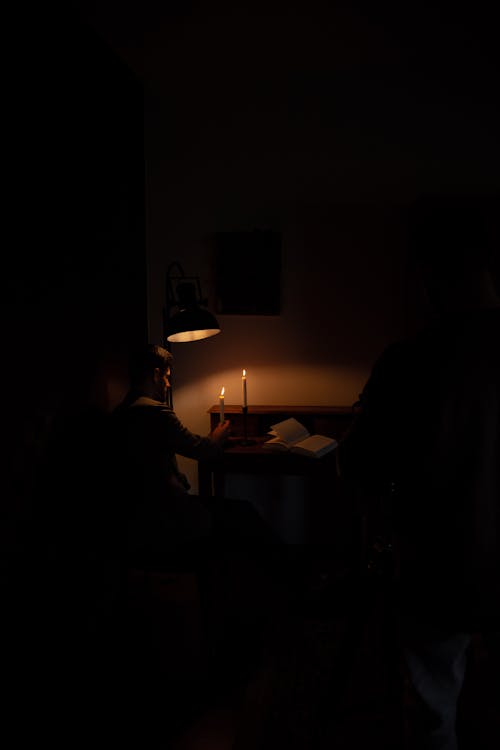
279	408
237	454
257	420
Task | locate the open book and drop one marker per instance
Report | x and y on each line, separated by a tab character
290	435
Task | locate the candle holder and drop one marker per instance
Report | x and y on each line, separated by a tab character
245	440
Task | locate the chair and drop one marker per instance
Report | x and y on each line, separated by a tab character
165	623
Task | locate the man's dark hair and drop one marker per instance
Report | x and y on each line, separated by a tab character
144	360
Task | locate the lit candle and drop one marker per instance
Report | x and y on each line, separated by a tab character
221	404
244	382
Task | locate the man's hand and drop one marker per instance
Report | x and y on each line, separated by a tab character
221	432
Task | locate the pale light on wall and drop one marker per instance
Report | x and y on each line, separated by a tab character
296	385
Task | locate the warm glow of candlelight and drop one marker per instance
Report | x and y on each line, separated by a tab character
244	383
221	404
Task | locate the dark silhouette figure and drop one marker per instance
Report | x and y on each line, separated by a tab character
425	447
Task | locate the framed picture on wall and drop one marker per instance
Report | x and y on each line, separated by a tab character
248	272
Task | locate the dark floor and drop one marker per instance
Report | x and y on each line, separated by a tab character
294	701
327	676
324	675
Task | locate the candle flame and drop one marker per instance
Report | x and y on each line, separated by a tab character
244	373
222	391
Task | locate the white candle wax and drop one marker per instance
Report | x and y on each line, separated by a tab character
221	405
244	382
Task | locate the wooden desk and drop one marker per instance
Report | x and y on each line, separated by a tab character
332	421
324	420
321	484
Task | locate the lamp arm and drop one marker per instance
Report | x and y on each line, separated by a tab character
200	299
169	297
169	292
169	303
174	264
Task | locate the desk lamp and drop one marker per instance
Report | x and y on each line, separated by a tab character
189	321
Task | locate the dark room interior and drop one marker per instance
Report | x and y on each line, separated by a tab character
143	133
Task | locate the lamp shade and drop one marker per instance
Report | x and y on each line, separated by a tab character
191	324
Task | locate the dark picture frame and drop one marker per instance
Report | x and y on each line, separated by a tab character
248	266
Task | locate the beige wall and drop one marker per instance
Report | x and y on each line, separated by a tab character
320	121
321	127
342	302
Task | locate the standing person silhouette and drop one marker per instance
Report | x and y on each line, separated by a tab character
429	428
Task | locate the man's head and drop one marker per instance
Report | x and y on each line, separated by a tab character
149	371
451	241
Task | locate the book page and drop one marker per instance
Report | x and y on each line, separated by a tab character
290	430
316	445
276	444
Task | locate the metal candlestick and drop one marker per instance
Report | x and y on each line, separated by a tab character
245	440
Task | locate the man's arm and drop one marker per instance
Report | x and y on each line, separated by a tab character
186	443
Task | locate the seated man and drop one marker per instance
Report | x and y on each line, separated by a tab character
163	518
163	526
